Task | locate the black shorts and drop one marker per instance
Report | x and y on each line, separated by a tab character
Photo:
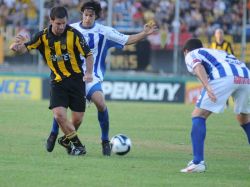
69	92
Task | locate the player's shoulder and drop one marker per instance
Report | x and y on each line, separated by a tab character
75	25
38	34
74	30
197	54
104	28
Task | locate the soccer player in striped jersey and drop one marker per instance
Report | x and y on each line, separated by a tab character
100	38
61	46
222	75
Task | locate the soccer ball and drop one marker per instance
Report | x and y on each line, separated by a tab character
120	144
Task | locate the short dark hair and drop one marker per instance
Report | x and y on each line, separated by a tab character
192	44
58	12
92	5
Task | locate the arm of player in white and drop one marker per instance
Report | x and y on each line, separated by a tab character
201	74
149	28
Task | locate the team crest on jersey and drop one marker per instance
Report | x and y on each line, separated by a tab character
63	46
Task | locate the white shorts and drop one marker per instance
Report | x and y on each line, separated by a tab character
223	88
92	87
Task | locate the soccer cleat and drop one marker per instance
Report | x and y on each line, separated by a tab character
194	168
67	146
51	142
77	151
106	149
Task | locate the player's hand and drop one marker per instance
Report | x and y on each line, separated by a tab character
14	47
21	39
210	93
150	27
88	77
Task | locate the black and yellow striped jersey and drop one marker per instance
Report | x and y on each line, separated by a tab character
225	46
61	53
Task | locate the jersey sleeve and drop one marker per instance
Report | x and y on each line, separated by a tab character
192	59
116	38
35	42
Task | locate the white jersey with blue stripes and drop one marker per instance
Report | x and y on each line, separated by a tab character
217	63
100	38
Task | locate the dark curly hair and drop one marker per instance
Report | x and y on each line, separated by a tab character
93	5
192	44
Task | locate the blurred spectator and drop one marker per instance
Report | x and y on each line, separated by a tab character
31	14
200	18
221	43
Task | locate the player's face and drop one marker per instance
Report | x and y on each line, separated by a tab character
88	18
58	25
219	36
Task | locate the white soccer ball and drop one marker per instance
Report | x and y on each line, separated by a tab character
120	144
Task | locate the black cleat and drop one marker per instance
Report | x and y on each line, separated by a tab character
67	146
77	151
51	142
106	149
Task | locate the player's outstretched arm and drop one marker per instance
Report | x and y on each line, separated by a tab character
149	28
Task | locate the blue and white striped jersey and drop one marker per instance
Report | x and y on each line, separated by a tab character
100	38
217	63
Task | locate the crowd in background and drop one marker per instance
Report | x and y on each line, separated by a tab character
196	16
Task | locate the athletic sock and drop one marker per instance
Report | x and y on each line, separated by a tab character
198	135
65	140
103	118
55	127
246	128
74	139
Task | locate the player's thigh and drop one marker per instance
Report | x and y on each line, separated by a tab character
222	89
242	99
58	96
92	87
76	117
77	98
99	100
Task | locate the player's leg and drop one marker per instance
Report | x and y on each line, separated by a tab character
53	136
54	133
95	94
58	97
103	117
244	120
76	119
242	107
198	133
77	104
204	107
71	139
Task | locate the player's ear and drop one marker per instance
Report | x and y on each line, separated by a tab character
50	21
185	52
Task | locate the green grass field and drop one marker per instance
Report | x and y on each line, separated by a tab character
161	147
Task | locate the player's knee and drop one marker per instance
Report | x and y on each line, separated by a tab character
60	118
243	118
77	122
197	112
101	106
